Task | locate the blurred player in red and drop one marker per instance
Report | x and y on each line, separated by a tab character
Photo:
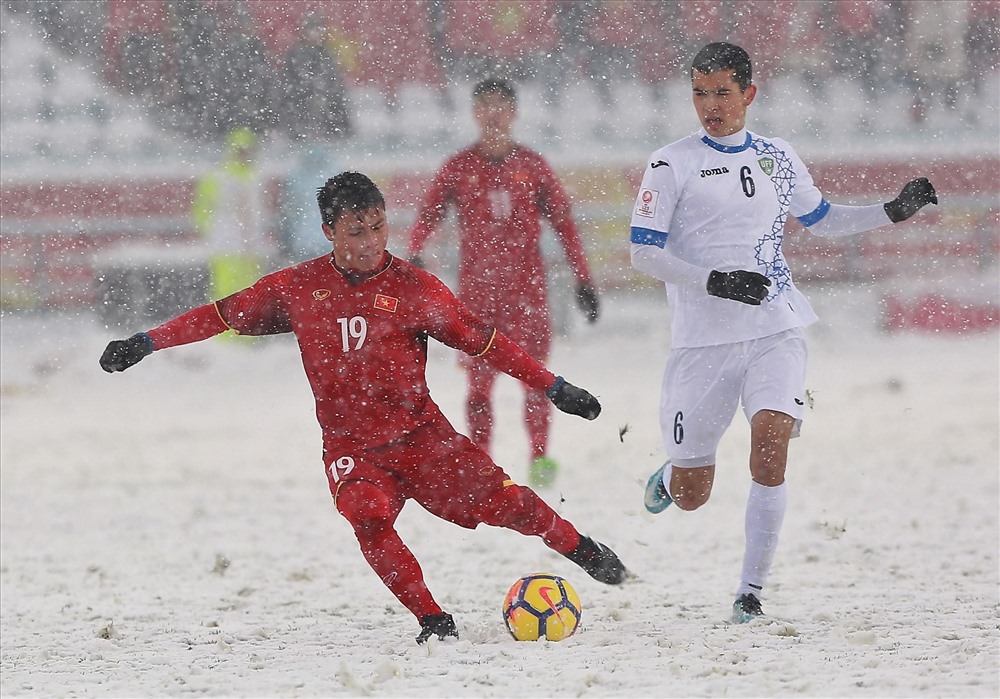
501	191
362	318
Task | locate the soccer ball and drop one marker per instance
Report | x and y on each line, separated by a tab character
541	606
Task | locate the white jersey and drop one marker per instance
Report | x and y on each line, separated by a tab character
722	205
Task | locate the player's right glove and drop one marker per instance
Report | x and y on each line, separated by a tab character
119	355
739	285
915	195
575	401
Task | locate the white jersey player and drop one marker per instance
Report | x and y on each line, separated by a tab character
708	222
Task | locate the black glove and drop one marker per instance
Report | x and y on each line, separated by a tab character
739	285
119	355
416	261
586	299
915	195
570	399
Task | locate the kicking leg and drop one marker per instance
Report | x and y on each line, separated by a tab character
519	508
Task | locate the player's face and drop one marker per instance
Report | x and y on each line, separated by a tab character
359	239
721	105
495	115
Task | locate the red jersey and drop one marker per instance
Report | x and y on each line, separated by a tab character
500	205
363	342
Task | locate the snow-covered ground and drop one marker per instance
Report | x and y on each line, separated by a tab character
168	531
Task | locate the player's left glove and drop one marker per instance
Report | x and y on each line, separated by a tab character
915	195
119	355
575	401
586	298
739	285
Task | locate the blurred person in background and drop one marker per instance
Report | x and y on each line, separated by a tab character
614	33
193	89
982	44
315	106
708	222
244	79
362	319
229	215
857	33
935	53
501	192
298	239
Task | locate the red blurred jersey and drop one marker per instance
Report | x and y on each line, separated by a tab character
500	205
363	342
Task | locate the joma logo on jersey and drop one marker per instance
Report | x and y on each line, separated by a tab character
714	171
767	165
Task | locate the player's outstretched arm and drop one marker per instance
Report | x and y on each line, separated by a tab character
916	194
739	285
573	400
119	355
195	325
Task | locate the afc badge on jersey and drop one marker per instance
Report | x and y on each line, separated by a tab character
645	205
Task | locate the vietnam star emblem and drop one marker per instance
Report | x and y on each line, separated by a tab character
386	303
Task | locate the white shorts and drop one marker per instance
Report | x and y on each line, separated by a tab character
703	385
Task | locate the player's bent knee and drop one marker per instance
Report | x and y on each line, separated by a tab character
690	495
365	506
689	501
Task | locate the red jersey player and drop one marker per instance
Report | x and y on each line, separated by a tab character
362	318
501	192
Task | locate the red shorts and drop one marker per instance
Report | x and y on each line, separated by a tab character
435	465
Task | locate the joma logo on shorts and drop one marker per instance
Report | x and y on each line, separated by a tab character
714	171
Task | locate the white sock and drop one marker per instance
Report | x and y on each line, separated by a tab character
765	512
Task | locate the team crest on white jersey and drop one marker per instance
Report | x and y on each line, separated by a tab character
645	205
767	165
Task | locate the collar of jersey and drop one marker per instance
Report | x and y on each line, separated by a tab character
739	148
355	278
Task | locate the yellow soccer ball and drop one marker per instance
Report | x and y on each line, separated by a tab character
541	605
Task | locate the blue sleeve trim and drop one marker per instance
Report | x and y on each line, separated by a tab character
647	236
815	215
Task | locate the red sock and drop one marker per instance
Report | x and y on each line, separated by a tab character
537	416
396	565
479	416
371	514
478	403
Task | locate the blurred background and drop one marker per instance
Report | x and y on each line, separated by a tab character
114	112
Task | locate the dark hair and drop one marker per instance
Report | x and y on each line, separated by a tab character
722	56
348	190
496	86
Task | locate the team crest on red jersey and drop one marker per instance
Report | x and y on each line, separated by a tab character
386	303
321	294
